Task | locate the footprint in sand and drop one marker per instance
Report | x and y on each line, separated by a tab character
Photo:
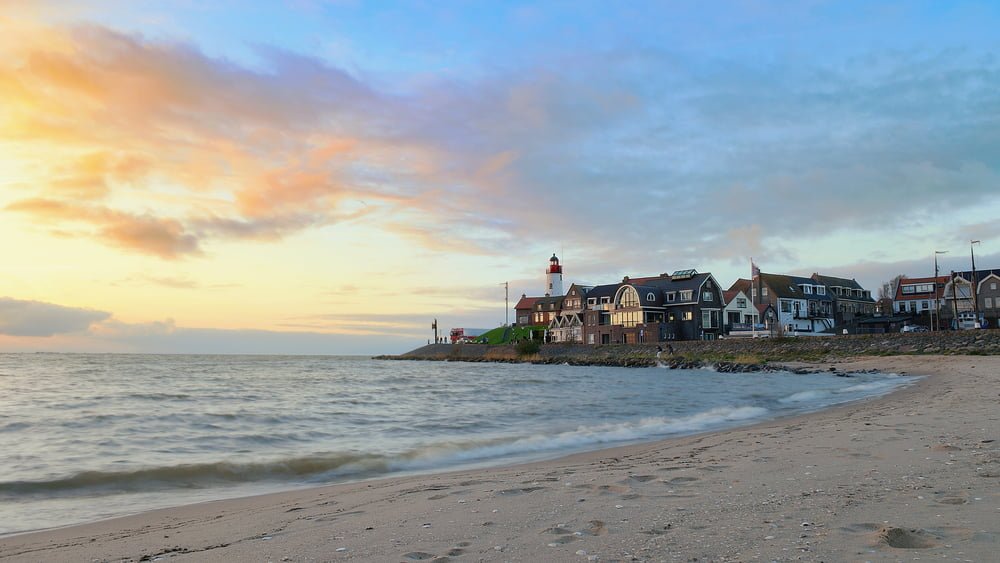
891	536
418	556
902	538
680	481
509	492
596	528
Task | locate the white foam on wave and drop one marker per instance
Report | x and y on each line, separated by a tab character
868	387
581	438
804	396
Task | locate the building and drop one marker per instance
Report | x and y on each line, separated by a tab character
539	311
567	326
988	293
739	314
961	295
851	302
553	277
802	304
685	305
922	299
523	310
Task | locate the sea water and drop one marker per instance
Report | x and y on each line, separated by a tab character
91	436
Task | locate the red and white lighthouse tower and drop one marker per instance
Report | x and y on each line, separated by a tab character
553	277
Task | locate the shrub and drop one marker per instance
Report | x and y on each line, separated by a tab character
528	347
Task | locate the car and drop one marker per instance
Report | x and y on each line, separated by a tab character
914	328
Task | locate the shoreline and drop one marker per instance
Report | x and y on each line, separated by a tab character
652	501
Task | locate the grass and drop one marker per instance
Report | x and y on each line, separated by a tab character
506	335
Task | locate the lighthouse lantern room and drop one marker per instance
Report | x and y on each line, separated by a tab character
553	278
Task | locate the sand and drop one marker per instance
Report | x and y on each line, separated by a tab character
915	475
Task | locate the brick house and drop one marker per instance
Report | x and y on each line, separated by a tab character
567	326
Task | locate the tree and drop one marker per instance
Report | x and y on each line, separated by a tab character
888	289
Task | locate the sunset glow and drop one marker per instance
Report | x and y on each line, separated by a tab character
317	177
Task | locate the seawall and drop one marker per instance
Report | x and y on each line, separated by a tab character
731	354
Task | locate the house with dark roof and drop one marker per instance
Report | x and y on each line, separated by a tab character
965	292
802	304
685	305
567	325
739	314
988	293
850	301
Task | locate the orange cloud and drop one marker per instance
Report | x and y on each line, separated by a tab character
181	149
166	238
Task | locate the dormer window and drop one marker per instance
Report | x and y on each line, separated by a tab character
671	296
650	296
591	301
807	289
820	290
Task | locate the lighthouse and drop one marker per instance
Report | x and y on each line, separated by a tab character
553	277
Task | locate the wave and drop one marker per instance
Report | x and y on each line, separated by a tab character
189	476
342	466
804	396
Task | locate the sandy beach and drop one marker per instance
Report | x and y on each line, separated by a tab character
915	475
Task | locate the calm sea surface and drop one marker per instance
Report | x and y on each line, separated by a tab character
85	437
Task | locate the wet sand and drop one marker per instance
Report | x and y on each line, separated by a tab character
915	475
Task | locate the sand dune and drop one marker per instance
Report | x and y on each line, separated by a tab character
912	475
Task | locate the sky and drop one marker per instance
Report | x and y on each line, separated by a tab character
328	177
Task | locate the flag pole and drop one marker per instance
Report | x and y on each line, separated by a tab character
753	305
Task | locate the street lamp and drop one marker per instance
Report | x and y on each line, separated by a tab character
975	298
936	325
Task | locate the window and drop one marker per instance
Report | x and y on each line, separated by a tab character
988	302
786	307
672	317
706	319
671	297
993	285
591	301
686	295
925	305
706	296
763	292
687	316
820	290
628	297
741	303
807	289
651	296
605	299
753	292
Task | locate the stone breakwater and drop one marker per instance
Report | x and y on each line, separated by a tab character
731	354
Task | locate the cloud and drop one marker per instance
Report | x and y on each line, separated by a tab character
163	237
35	318
637	155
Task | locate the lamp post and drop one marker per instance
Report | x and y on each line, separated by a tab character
936	324
975	298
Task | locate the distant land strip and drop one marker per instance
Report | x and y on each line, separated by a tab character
730	354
